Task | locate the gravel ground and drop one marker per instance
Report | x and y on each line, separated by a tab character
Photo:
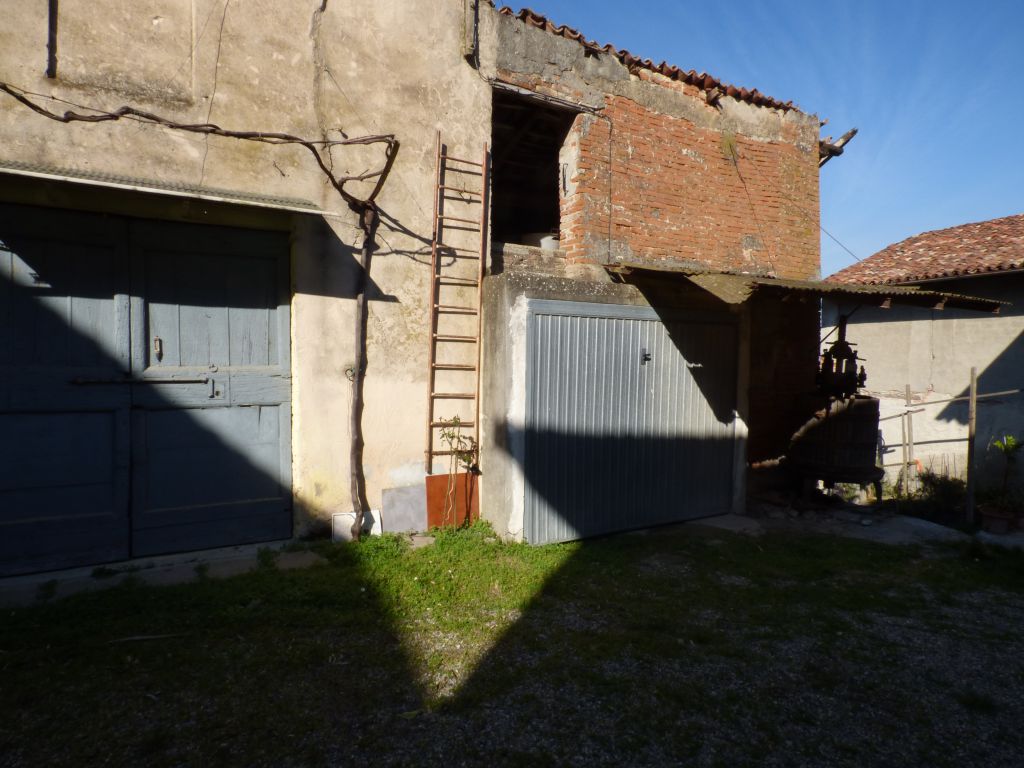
944	687
710	650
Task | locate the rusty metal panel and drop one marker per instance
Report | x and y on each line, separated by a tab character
630	418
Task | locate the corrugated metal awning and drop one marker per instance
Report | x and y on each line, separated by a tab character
737	288
155	186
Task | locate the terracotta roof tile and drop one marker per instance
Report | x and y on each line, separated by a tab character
701	80
996	245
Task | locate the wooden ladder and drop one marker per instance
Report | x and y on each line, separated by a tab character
456	269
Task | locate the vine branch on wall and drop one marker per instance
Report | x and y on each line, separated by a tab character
317	148
365	208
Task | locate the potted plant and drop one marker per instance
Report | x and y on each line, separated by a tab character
998	514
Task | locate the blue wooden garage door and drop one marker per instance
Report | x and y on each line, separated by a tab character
144	390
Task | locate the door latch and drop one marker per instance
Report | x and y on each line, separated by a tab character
158	348
645	356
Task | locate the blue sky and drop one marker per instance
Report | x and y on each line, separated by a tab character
936	89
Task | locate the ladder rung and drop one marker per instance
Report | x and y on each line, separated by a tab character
460	160
458	227
469	283
460	190
457	218
448	337
438	424
452	248
453	395
452	310
453	367
464	256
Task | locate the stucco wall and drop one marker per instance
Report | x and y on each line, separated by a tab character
933	351
306	67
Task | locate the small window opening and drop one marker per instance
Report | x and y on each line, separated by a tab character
526	176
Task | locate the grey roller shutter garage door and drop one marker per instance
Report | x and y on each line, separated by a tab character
630	418
144	388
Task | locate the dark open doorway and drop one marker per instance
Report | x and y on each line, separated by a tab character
526	168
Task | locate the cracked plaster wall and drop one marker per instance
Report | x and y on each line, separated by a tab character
315	68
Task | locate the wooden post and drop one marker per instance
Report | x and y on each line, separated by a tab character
911	464
972	419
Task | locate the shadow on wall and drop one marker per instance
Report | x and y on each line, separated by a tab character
582	485
714	373
143	399
629	421
941	429
145	383
714	377
997	416
333	269
1003	373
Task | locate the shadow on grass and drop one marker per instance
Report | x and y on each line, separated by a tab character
640	649
262	668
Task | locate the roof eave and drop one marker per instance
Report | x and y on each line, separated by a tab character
735	288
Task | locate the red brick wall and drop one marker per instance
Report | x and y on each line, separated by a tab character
685	192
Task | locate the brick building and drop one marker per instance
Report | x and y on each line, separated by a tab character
664	176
